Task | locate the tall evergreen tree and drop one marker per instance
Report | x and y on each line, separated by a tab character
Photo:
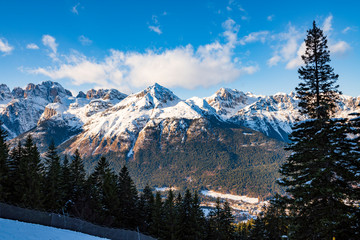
4	166
146	203
65	185
170	216
78	196
128	216
77	176
185	228
317	91
157	227
103	191
197	218
320	174
16	175
52	183
226	220
31	174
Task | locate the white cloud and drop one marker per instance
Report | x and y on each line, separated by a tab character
286	47
231	31
183	66
346	30
289	50
254	37
75	10
5	47
85	41
297	61
270	18
155	29
49	41
274	60
327	25
340	47
32	46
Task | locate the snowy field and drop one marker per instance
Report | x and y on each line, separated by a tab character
214	194
15	230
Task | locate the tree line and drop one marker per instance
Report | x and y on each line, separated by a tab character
103	197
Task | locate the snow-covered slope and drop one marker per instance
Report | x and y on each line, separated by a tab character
272	115
15	230
106	120
121	127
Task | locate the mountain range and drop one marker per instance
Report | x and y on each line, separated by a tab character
231	140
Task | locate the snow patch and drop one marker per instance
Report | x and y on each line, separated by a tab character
214	194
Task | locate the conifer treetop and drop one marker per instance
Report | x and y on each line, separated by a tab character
318	91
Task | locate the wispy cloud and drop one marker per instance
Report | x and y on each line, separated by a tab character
234	5
347	29
270	18
50	42
155	29
32	46
84	40
290	46
183	66
155	26
255	37
286	47
339	47
5	47
327	25
74	9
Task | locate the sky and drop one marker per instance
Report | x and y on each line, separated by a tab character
190	47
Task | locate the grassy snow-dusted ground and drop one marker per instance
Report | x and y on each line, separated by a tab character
15	230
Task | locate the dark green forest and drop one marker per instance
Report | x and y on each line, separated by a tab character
245	164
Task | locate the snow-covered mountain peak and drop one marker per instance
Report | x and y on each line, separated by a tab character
111	94
47	90
4	92
158	93
228	101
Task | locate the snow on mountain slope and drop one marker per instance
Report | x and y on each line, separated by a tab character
121	126
116	120
15	230
21	110
272	115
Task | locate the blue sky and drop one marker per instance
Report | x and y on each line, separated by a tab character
191	47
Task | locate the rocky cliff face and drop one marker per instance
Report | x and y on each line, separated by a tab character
106	120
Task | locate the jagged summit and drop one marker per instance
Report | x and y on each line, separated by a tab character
157	93
109	112
228	101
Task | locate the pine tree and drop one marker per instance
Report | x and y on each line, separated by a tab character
146	204
320	174
157	225
65	185
128	217
103	192
78	195
317	93
215	225
170	216
4	166
16	175
53	197
185	229
226	220
273	222
197	218
31	175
